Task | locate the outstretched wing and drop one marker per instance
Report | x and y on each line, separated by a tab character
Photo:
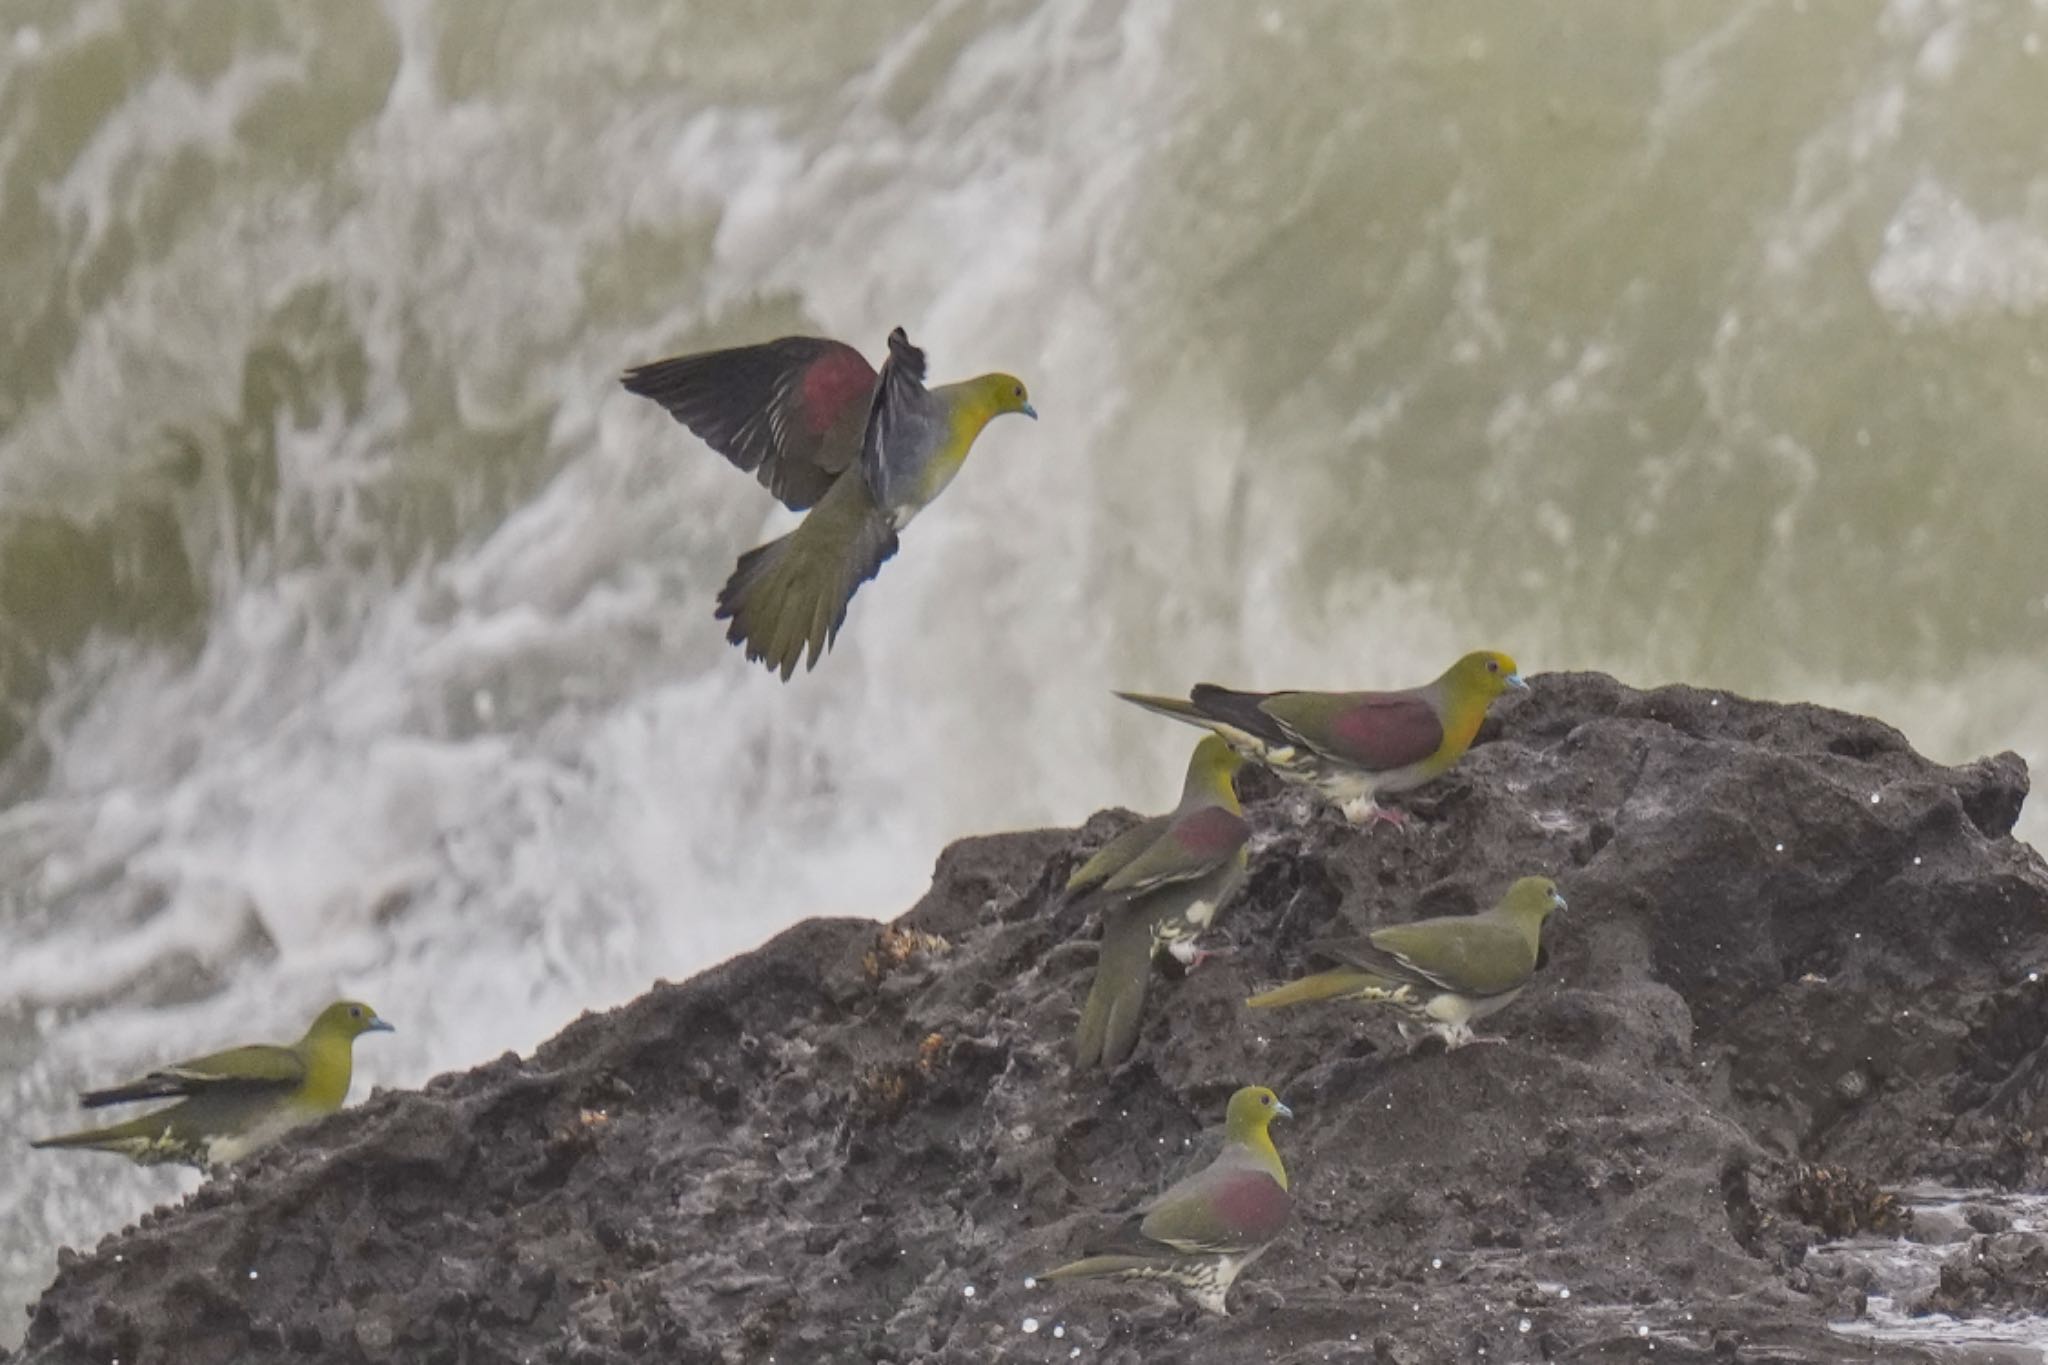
791	411
256	1068
898	440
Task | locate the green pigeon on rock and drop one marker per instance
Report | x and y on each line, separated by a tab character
1207	1228
1442	973
1159	884
234	1103
821	429
1353	747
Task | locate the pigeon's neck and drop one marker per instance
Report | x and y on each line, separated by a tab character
962	410
1209	787
1529	926
1256	1150
329	1057
1463	710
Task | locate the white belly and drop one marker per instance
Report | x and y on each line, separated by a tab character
226	1151
1342	786
1460	1010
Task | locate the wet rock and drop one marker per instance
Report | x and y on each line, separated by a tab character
1795	949
1999	1273
1939	1226
1983	1218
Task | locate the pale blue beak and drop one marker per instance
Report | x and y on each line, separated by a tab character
1515	681
1029	411
379	1026
1282	1111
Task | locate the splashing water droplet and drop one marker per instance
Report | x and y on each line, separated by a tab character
968	1292
1029	1325
1522	1326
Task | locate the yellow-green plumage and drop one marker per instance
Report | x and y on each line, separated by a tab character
788	597
1353	747
1207	1228
821	428
1339	983
233	1103
1159	885
1443	973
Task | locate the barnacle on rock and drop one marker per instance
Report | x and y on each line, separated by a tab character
895	946
884	1091
1841	1203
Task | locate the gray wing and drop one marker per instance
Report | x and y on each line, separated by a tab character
900	434
790	411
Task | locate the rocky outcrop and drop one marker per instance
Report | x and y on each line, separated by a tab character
1800	962
1997	1272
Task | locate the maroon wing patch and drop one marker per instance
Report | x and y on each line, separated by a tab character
1251	1204
789	411
833	383
1212	831
1385	732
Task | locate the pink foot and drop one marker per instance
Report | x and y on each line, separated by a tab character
1362	811
1192	956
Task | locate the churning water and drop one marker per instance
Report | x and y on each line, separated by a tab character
355	626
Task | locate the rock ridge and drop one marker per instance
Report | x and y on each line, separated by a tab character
1801	964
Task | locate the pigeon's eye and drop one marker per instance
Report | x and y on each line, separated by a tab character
354	1012
1492	666
1019	391
1265	1099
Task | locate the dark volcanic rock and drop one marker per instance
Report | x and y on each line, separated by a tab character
2000	1273
1793	945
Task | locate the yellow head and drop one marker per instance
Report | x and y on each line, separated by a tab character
1530	901
1212	769
1482	676
1252	1111
345	1021
991	395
